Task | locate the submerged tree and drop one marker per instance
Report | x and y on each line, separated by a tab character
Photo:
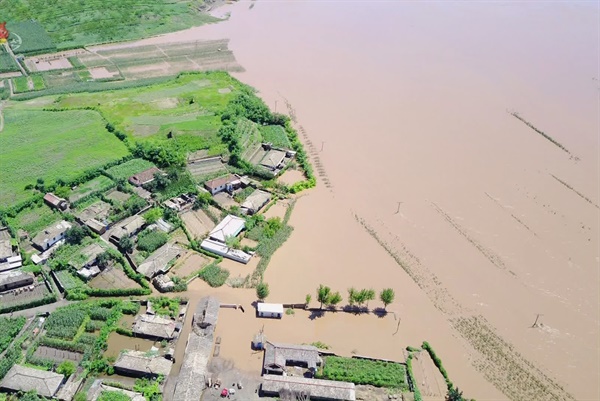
387	296
262	291
334	299
323	294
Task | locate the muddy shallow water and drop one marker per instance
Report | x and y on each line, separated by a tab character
482	222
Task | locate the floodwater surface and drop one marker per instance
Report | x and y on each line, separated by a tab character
429	185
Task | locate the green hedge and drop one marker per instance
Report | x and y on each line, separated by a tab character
438	363
48	299
411	377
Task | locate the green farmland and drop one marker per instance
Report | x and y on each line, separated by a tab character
76	23
51	145
34	219
363	371
125	170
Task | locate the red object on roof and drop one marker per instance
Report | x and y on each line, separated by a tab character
224	393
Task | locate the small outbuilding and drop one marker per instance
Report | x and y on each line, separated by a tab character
269	310
144	177
55	201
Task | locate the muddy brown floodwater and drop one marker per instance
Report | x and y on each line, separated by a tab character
406	107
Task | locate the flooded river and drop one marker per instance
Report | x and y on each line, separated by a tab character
482	223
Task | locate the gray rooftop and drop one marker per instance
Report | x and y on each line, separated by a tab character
273	158
278	355
190	383
51	232
143	363
89	255
98	388
314	388
128	227
256	200
21	378
15	276
154	326
158	261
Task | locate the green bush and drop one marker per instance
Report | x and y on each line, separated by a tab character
64	323
411	377
9	328
214	275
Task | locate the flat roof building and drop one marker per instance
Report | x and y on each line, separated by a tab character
15	279
219	248
22	378
269	310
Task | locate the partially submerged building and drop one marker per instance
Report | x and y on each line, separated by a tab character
164	283
191	381
15	279
126	228
154	327
279	355
22	378
55	201
159	261
98	387
144	177
256	201
51	235
142	364
313	389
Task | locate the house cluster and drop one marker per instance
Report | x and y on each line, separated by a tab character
232	183
217	242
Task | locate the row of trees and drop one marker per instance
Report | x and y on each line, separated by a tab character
355	297
329	298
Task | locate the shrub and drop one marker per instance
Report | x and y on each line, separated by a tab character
66	368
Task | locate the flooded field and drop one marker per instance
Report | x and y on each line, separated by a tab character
118	343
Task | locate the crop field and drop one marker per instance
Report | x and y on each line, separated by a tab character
20	84
183	113
38	82
276	135
98	184
9	328
125	170
7	63
33	220
204	168
65	323
68	280
26	36
65	144
76	23
362	371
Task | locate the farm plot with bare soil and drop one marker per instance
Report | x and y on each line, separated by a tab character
112	278
206	168
189	264
197	223
23	296
57	355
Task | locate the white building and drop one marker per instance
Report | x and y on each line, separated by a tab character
269	310
51	235
219	248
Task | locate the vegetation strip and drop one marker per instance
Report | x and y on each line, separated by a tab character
542	133
588	200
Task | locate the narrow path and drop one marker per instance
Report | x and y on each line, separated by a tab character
9	50
40	309
1	115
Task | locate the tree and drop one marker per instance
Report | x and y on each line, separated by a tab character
262	291
454	394
126	244
387	296
352	296
369	295
103	259
152	215
323	294
66	368
307	299
233	242
202	200
334	299
75	235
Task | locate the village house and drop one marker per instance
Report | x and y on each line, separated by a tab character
142	193
256	201
228	183
315	389
95	217
55	201
144	177
154	327
158	261
13	262
278	356
51	235
142	364
15	279
180	203
22	378
126	228
6	250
